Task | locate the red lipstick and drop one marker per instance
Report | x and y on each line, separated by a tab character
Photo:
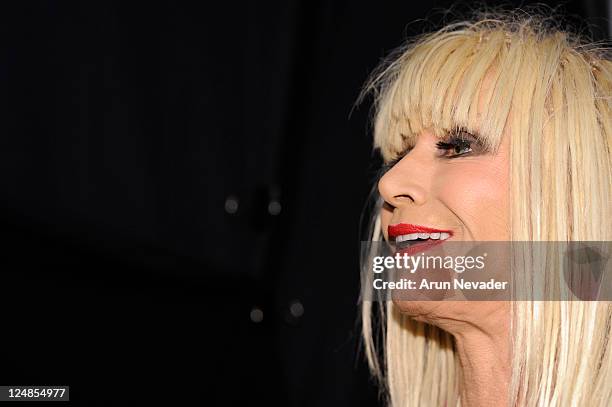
414	246
407	228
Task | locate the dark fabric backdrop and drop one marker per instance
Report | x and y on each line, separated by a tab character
181	185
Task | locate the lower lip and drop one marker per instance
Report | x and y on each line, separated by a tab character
421	247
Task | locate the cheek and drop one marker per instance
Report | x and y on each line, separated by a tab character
478	195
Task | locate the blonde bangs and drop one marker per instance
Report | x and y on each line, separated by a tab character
437	85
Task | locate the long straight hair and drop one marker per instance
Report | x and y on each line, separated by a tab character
554	91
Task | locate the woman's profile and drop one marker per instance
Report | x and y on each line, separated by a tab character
494	129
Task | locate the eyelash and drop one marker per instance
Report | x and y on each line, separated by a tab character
457	138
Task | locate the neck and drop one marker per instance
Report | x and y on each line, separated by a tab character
485	369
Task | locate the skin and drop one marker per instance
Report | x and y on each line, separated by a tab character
469	196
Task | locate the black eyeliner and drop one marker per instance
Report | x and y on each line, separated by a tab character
457	139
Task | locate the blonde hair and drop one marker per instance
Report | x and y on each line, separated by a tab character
553	91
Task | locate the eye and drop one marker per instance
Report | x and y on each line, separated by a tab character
454	148
458	143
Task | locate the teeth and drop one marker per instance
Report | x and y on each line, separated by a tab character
414	236
403	238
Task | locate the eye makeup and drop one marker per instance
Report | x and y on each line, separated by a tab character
458	142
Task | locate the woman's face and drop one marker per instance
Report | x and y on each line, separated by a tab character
456	186
453	185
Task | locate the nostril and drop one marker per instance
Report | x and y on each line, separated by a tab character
404	196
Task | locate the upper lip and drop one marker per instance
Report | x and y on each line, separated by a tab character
407	228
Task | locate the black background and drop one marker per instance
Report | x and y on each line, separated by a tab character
126	130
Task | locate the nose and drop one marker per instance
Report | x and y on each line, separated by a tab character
407	182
